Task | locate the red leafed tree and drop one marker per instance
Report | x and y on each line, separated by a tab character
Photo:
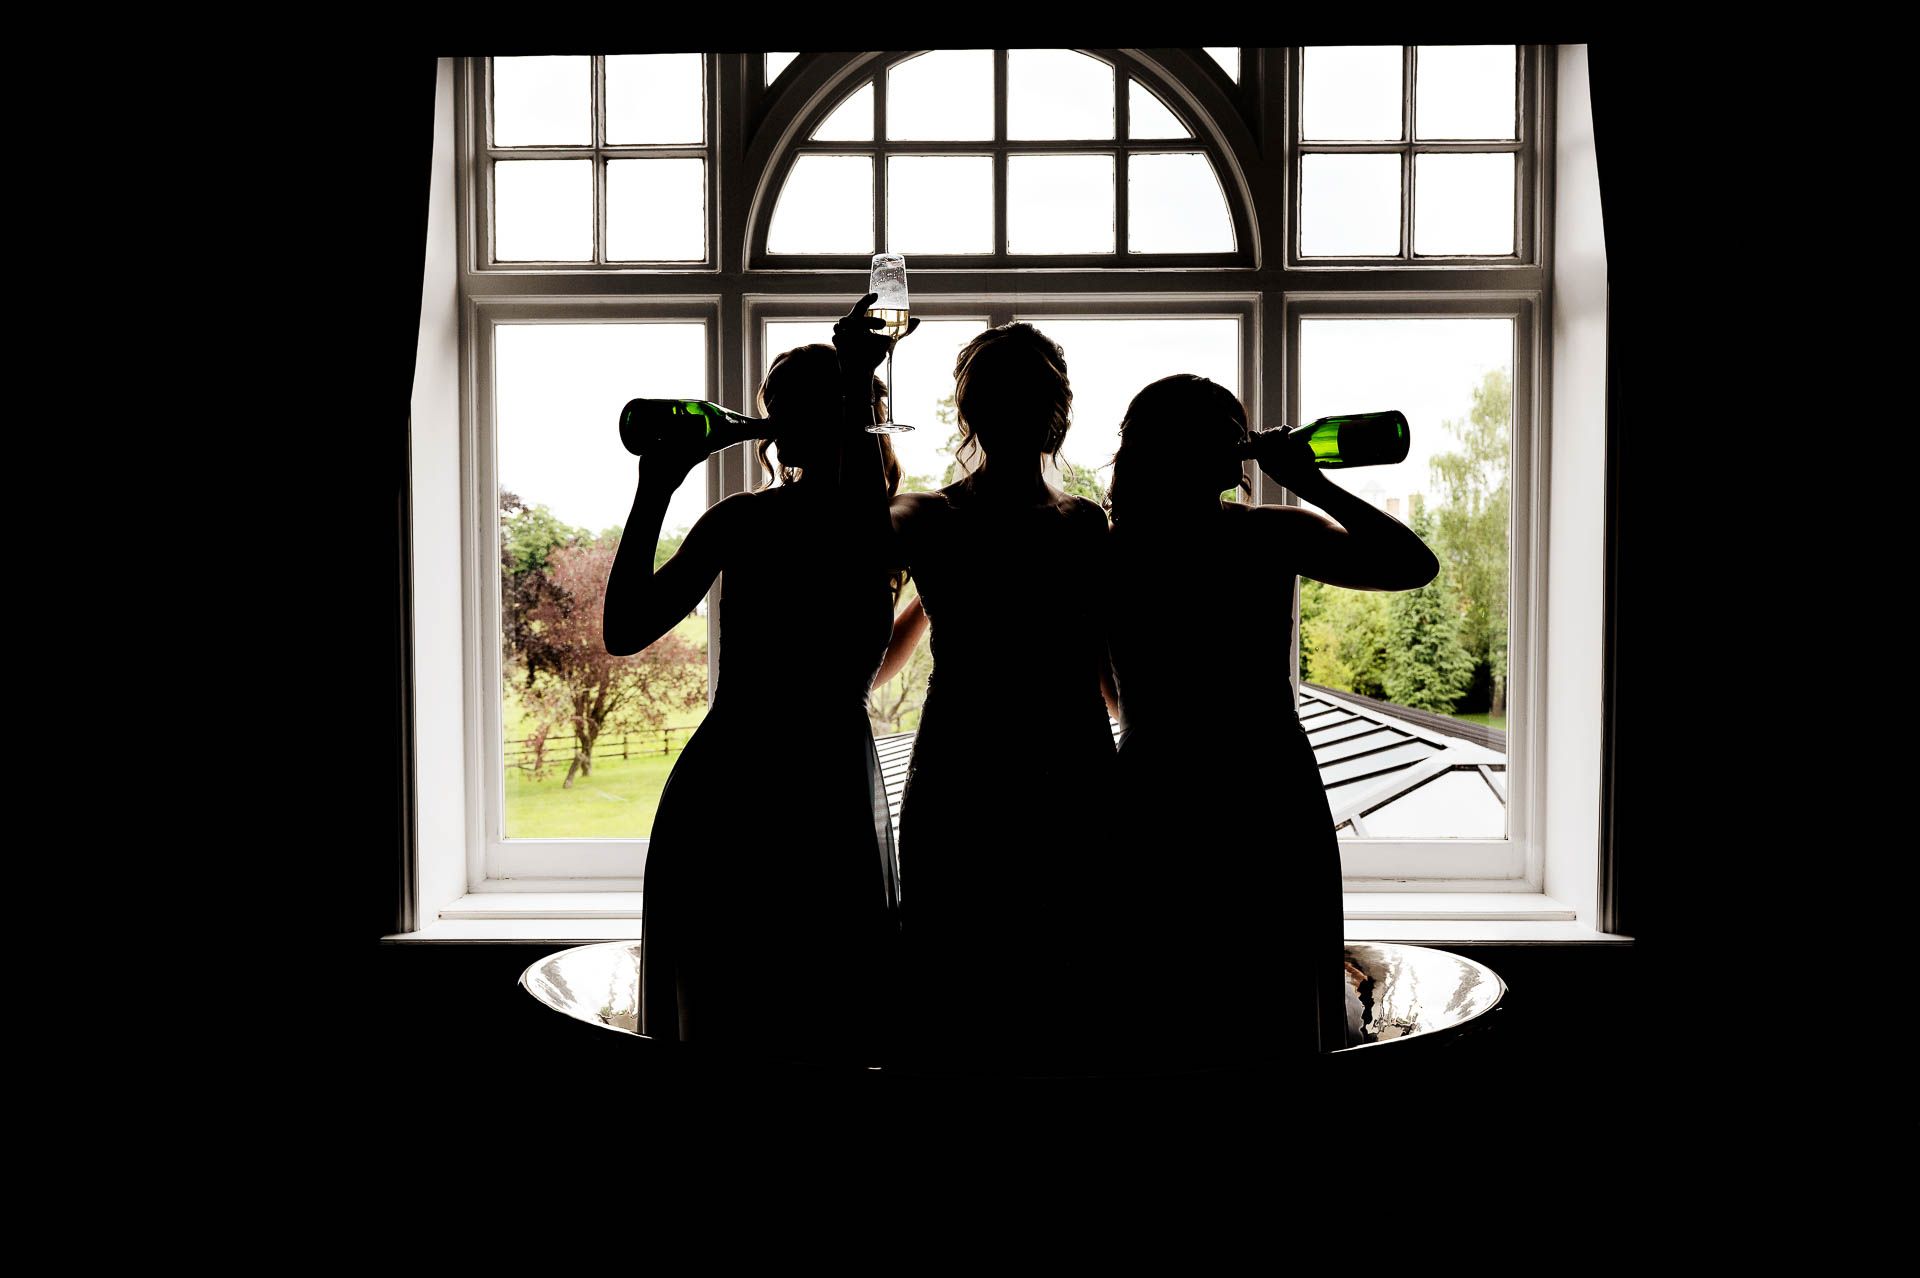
573	682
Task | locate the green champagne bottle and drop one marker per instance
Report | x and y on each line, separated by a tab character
691	423
1351	439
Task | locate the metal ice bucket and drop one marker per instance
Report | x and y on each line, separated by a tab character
1409	993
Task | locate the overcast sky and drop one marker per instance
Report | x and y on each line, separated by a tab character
560	388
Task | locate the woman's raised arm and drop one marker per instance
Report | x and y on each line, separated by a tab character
860	347
642	604
1367	549
907	629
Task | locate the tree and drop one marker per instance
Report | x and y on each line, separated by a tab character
666	548
895	705
1344	638
947	413
1427	667
529	533
1470	526
1082	481
588	689
555	585
528	536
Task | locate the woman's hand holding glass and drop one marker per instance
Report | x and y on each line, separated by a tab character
861	341
888	306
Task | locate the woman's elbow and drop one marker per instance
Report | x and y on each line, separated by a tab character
1424	568
621	640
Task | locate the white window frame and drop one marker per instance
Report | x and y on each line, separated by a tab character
480	156
516	864
1272	295
1515	863
1528	188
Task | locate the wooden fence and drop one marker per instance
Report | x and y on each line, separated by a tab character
663	741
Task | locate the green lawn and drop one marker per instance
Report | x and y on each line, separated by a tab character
618	801
1496	722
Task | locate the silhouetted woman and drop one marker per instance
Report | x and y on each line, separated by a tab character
1002	817
769	913
1229	833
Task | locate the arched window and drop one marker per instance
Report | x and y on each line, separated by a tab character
1000	158
1319	230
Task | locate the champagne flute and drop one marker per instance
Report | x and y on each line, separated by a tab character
888	281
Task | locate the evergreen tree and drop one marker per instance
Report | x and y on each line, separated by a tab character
1427	667
1471	526
1345	638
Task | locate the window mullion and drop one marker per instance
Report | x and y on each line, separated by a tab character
879	160
1523	243
541	152
598	80
1000	155
1409	68
1121	151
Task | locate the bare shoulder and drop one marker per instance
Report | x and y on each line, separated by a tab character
728	519
1085	514
914	508
737	508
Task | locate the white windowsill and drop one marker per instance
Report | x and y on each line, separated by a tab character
1432	918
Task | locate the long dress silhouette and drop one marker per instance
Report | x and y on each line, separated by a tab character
1006	797
1233	853
770	874
1229	841
769	922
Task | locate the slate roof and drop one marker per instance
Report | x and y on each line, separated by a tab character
1389	772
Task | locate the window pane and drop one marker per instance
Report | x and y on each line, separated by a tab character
1060	204
558	393
1459	805
944	96
1110	360
1349	205
543	210
1229	60
826	206
778	62
1175	205
1352	93
784	335
656	97
1057	93
940	204
542	102
656	210
851	121
1148	116
1465	91
1463	203
1441	648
